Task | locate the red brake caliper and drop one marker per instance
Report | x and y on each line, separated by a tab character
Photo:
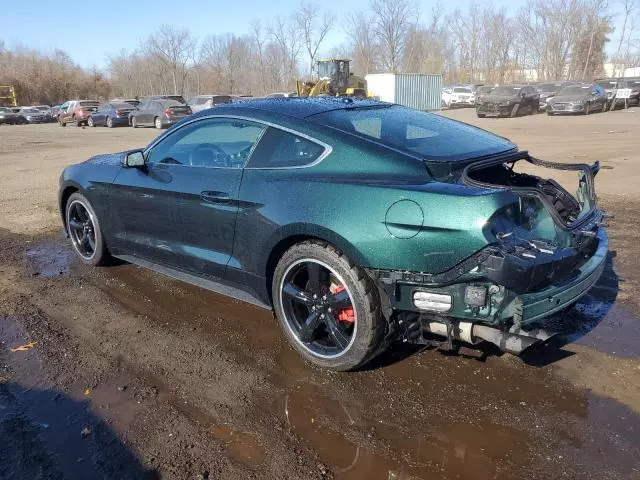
346	314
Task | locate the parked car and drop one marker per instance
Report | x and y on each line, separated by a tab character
33	115
548	90
202	102
481	92
8	116
177	98
264	201
634	85
581	98
457	97
76	112
46	109
159	113
509	101
111	114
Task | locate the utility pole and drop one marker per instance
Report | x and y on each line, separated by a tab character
586	64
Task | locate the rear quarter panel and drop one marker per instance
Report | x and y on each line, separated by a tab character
345	199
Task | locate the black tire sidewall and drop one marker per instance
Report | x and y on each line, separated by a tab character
101	254
366	306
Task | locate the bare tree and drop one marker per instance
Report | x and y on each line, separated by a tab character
286	37
392	22
172	46
314	27
359	28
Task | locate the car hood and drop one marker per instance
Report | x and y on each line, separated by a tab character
499	98
569	98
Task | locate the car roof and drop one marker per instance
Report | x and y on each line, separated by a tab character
299	107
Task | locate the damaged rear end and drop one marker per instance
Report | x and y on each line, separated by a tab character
544	251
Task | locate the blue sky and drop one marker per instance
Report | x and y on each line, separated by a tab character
91	30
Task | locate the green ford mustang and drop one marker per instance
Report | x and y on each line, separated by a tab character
360	223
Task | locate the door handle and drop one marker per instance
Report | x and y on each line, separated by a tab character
215	197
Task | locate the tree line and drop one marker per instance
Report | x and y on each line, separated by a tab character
543	40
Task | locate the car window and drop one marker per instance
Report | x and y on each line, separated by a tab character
429	136
371	126
212	143
278	148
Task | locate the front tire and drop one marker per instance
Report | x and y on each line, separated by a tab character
587	108
90	122
480	115
328	307
109	122
158	123
134	122
84	231
514	110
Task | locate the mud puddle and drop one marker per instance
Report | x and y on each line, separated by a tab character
459	450
49	259
45	433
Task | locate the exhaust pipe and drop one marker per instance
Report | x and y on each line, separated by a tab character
515	341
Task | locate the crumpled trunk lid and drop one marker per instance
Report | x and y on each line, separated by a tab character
569	211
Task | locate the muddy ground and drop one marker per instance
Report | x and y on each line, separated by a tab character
128	374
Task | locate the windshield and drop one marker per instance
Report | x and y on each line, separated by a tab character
575	90
549	87
461	90
506	91
427	135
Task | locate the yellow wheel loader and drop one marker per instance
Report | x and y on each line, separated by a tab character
334	79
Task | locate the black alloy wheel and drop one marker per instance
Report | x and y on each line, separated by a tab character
81	229
318	308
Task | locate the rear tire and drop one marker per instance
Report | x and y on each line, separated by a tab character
76	122
480	115
109	122
61	122
587	108
514	110
368	323
134	122
90	122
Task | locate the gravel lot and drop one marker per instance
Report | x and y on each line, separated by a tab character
133	375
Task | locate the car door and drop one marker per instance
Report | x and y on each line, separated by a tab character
180	210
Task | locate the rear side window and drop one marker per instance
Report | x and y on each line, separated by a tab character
278	148
429	136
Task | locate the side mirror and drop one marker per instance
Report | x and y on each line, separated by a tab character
134	159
